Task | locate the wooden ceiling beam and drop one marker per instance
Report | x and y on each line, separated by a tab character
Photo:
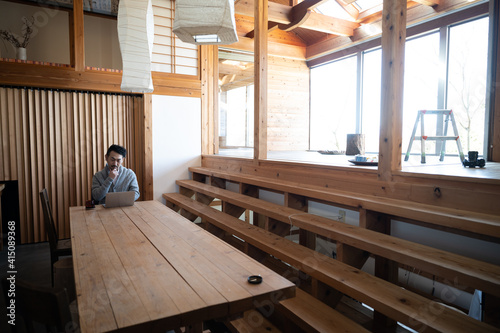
350	8
300	13
281	14
430	3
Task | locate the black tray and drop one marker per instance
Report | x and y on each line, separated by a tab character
363	163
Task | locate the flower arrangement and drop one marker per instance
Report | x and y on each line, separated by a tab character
27	31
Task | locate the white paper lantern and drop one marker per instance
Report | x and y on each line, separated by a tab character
205	22
136	34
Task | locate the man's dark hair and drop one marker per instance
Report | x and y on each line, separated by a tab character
117	149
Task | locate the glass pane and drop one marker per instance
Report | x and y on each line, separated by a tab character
467	82
238	113
421	88
370	126
333	104
101	50
49	38
236	100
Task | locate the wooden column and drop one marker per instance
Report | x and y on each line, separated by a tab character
493	102
147	141
260	80
77	37
209	70
391	110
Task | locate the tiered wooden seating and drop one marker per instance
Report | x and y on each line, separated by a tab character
486	225
386	298
462	270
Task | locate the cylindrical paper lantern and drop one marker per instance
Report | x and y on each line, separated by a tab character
136	34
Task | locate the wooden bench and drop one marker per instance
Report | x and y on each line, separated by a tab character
486	225
397	303
462	270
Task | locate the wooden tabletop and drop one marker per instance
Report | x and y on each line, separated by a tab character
146	268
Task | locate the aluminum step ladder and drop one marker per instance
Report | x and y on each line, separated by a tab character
448	116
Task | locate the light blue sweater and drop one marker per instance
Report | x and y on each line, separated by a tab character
102	183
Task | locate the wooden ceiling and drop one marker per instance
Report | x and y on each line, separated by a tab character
305	26
298	30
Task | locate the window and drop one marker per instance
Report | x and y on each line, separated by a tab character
236	100
467	59
444	69
370	125
421	86
333	104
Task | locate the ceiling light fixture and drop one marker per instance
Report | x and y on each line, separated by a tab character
136	34
205	22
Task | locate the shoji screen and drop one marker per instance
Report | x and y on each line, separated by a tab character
57	140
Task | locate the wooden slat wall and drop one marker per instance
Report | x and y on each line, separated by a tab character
288	104
58	139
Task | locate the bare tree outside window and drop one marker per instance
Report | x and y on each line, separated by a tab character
467	81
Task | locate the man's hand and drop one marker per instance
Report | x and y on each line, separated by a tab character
114	172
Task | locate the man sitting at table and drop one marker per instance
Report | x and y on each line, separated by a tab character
114	177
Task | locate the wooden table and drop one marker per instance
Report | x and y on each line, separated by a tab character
146	268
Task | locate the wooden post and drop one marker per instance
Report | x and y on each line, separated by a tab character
260	81
77	38
209	69
493	102
147	141
391	108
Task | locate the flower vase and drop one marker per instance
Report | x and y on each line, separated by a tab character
21	53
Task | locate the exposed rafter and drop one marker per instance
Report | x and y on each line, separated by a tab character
283	15
300	13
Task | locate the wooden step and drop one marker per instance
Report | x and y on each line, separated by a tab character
312	315
252	322
479	223
395	302
462	270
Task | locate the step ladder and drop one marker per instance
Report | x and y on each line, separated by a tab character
448	115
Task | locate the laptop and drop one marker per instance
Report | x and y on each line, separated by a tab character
119	199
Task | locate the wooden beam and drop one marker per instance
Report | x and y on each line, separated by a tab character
283	15
325	24
78	40
147	142
300	13
260	84
351	9
430	3
209	69
43	76
391	110
274	49
493	106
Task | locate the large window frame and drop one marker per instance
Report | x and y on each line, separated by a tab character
442	84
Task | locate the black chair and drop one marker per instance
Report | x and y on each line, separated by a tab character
42	305
58	248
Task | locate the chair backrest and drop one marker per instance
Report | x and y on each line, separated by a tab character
37	304
48	219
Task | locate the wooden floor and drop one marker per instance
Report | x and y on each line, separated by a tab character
450	166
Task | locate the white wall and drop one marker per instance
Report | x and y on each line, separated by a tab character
176	141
